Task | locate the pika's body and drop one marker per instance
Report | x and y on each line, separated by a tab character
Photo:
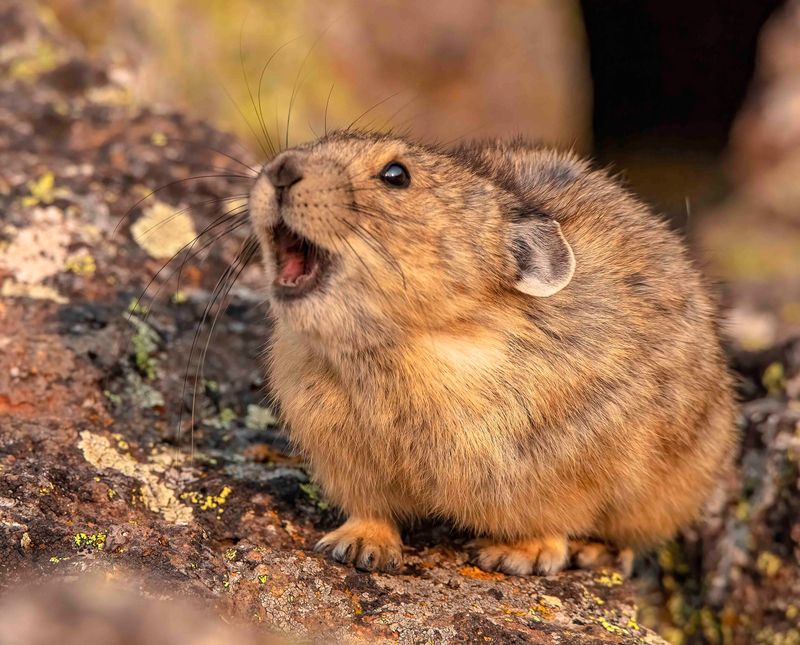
497	336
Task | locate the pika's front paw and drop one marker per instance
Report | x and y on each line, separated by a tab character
545	556
370	545
597	555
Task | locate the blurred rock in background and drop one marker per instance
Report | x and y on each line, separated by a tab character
445	69
469	69
752	239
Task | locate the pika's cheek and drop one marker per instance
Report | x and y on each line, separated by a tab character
262	206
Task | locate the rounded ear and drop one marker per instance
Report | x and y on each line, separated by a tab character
545	261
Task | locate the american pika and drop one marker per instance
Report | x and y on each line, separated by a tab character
498	336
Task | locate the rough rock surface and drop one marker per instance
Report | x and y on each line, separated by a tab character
735	578
92	476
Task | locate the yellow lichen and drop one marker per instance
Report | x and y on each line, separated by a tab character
11	289
154	494
55	559
609	579
611	627
774	378
81	264
30	66
158	139
95	540
42	190
479	574
208	502
163	230
768	563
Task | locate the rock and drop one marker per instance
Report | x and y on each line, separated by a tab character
752	238
767	131
735	578
96	477
95	383
466	69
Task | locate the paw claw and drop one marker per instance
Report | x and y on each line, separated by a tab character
368	545
545	556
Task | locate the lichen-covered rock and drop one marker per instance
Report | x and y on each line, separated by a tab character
95	382
735	578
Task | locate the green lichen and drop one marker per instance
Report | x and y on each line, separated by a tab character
224	420
116	399
774	378
145	344
259	418
135	307
315	495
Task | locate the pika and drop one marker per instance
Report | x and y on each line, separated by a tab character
496	335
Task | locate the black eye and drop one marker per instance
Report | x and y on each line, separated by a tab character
395	175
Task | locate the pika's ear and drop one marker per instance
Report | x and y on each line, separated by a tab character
545	261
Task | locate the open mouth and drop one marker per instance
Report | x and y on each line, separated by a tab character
300	263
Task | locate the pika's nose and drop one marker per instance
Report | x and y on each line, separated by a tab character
285	170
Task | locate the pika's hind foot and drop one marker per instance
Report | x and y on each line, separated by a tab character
368	544
597	555
544	556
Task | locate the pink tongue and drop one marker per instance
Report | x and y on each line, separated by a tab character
293	267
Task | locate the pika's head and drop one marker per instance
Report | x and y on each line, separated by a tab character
368	237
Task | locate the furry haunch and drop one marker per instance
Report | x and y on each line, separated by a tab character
498	336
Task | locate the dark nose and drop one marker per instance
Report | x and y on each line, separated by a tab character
285	170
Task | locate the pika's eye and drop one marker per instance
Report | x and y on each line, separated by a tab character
395	175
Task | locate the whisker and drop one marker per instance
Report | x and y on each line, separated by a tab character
216	200
169	185
188	254
260	82
377	105
241	261
191	255
247	121
366	236
218	151
249	248
214	294
364	264
327	102
296	87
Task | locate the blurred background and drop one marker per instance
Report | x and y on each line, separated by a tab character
696	104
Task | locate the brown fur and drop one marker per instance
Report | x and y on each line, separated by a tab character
418	382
